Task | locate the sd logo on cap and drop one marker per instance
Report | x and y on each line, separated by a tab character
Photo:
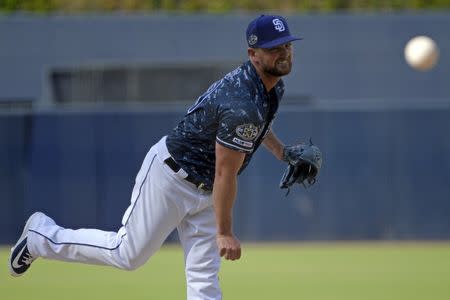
268	31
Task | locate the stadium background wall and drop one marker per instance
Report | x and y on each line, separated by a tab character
385	173
383	127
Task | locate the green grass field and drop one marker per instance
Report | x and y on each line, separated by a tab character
334	271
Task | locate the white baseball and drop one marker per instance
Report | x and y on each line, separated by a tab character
421	53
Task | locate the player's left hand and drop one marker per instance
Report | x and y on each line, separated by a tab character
229	247
304	163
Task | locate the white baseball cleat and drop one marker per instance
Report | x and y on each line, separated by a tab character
20	259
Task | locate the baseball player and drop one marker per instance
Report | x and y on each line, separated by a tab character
188	180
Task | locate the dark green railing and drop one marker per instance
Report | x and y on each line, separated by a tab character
220	6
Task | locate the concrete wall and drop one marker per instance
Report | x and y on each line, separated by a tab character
383	128
341	56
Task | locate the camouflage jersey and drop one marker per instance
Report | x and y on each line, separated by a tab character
235	112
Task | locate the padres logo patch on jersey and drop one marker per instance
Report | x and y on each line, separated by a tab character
247	132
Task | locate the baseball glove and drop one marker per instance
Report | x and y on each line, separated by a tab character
304	163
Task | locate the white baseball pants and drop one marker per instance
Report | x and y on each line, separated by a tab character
160	202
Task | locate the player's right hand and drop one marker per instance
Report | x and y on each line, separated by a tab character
229	247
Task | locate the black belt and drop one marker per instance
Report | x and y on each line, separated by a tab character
175	167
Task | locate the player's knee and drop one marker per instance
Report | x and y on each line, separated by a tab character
130	266
131	263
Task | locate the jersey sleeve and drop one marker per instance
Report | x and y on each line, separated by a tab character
238	129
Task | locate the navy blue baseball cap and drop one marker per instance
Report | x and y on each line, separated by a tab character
268	31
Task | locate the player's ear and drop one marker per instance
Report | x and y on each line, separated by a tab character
252	54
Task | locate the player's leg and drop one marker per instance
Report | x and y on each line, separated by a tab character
152	215
197	234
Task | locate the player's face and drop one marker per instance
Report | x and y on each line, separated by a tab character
277	61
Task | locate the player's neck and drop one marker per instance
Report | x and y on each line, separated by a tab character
268	80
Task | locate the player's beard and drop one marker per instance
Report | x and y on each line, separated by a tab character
280	68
